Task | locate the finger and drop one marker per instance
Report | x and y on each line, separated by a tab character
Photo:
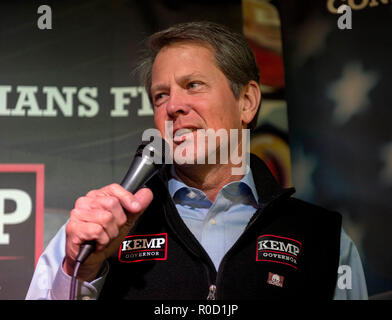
80	232
125	197
98	234
143	197
113	205
83	203
102	201
108	220
133	203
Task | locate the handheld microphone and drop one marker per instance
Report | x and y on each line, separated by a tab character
149	158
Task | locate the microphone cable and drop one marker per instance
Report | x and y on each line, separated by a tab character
86	249
142	168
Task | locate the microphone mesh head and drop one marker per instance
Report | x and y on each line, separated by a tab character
157	149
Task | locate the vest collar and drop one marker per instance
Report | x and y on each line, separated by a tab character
267	187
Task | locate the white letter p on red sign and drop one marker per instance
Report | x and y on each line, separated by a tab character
21	213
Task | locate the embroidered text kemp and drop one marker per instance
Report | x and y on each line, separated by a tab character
136	244
278	245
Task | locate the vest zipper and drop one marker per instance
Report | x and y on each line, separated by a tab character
212	288
211	292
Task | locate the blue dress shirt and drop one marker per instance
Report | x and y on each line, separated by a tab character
216	225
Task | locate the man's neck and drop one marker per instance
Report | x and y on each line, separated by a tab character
208	178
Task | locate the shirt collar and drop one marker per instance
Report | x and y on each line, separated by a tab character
245	187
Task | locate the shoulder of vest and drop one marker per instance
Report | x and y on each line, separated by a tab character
312	211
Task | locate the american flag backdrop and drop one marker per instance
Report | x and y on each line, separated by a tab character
339	102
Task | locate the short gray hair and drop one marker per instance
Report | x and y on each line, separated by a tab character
233	55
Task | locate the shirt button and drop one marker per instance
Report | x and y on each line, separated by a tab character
213	221
191	194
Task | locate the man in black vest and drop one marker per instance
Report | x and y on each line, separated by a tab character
201	229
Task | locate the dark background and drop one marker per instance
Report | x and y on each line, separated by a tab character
342	163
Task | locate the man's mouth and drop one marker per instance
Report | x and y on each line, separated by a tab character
181	134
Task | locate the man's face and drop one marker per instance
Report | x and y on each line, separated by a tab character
189	90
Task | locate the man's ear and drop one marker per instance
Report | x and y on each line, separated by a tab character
250	101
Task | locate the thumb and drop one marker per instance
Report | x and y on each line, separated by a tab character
141	200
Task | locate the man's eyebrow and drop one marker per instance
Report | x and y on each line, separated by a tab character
158	87
183	79
191	76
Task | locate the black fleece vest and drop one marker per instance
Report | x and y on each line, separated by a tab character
289	250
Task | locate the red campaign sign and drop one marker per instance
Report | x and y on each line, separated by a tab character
21	226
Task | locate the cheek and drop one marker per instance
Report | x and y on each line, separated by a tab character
226	112
228	117
159	121
163	124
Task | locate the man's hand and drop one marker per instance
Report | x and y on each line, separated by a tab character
105	216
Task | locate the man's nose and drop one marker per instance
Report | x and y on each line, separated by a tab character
177	104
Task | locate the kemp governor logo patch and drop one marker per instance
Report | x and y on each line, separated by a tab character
278	249
145	247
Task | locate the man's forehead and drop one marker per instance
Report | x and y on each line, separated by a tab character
186	43
186	77
187	68
202	49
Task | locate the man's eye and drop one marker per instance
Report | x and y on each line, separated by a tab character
159	96
193	85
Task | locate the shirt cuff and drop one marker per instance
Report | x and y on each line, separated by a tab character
86	290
